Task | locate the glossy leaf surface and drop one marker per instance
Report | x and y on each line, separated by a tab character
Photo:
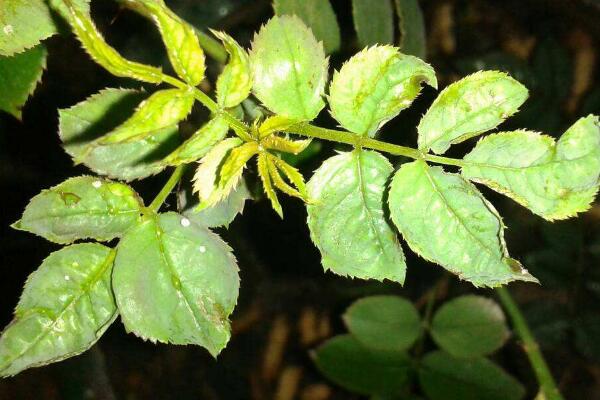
444	377
82	124
85	207
469	107
23	25
176	282
66	306
347	221
235	82
361	370
161	110
289	68
374	86
387	323
200	143
445	219
19	75
555	180
469	326
318	15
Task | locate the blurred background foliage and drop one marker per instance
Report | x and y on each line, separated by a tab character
287	305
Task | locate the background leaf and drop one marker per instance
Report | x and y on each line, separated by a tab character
446	220
383	322
19	76
66	306
554	180
191	274
81	208
361	370
318	15
85	122
289	68
444	377
469	326
412	28
347	221
469	107
374	86
373	21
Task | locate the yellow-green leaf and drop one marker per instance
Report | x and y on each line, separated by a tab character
235	82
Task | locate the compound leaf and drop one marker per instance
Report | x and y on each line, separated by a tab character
374	86
264	172
200	143
444	377
289	68
183	48
469	326
176	282
347	221
469	107
359	369
81	125
387	323
85	207
412	28
66	306
318	15
19	75
235	82
374	22
163	109
446	220
555	180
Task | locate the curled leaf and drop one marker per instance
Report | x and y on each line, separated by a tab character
235	82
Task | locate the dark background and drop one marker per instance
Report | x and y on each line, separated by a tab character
287	304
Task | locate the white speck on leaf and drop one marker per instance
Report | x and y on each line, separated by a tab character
97	184
185	222
67	278
8	30
202	249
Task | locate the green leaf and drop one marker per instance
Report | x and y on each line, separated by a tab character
444	377
221	169
200	143
289	68
183	48
555	180
275	165
285	145
445	219
85	207
81	125
222	213
469	326
361	370
274	124
318	15
412	28
373	21
163	109
176	282
23	25
387	323
235	82
66	306
374	86
264	172
347	221
19	75
105	55
469	107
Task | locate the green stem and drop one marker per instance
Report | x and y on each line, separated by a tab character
548	387
167	189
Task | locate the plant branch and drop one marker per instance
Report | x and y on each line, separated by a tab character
167	189
548	387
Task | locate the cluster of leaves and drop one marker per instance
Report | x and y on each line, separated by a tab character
375	357
190	272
